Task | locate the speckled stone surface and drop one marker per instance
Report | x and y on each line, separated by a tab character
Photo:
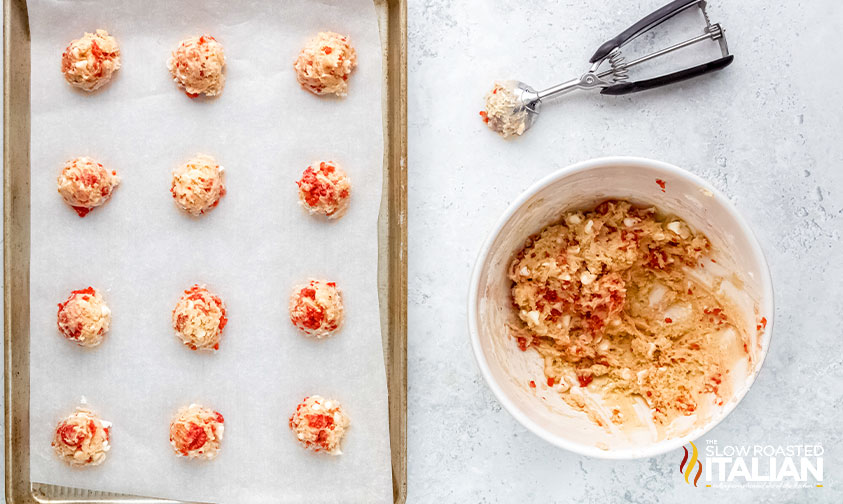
766	132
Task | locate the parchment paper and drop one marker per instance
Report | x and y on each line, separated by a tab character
142	251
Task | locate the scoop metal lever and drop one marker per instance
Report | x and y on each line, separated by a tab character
614	80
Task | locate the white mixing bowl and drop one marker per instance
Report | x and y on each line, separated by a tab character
508	370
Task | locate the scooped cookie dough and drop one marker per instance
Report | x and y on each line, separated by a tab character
609	296
316	308
82	438
198	185
89	62
198	66
196	432
320	424
324	189
199	318
503	114
85	184
84	318
324	64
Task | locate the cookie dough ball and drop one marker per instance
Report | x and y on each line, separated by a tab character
316	308
324	189
198	185
199	318
89	62
196	432
197	65
504	113
85	184
320	424
325	63
84	318
81	439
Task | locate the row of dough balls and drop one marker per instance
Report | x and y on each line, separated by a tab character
198	63
316	309
83	439
197	186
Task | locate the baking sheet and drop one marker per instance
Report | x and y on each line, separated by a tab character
141	251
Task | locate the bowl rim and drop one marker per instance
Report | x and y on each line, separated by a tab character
767	301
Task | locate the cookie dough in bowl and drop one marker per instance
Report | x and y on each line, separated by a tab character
621	308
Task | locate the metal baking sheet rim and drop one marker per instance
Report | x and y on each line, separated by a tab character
392	261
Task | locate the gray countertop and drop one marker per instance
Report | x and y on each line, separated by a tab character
766	131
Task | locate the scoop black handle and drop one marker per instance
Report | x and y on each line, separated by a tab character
688	73
649	22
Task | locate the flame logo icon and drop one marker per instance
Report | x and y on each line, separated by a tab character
686	467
